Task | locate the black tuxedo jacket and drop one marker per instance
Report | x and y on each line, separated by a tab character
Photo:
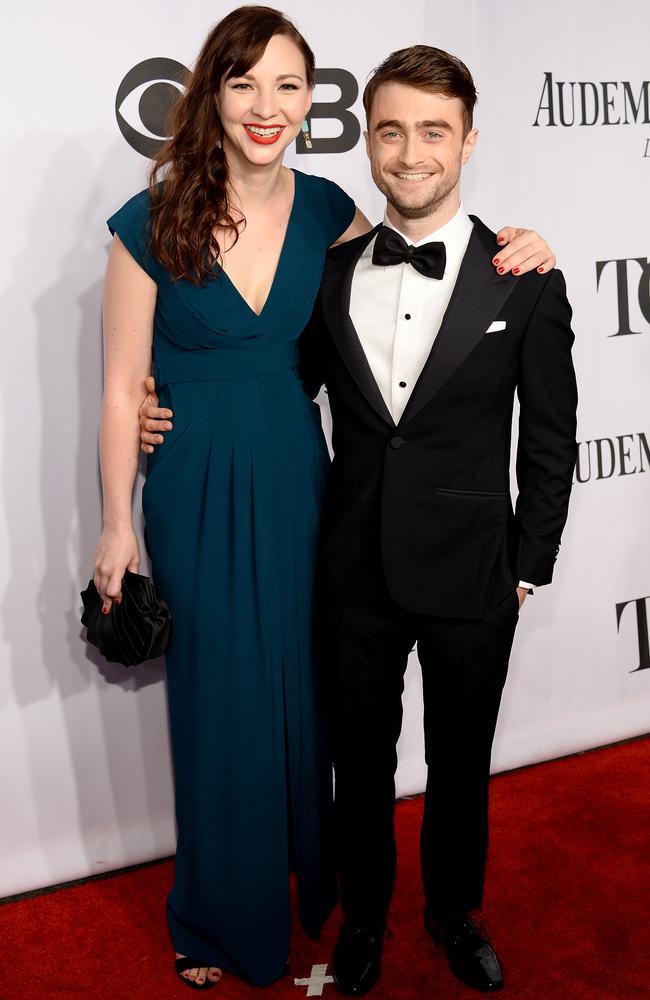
423	506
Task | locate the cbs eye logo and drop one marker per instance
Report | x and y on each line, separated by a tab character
144	99
148	91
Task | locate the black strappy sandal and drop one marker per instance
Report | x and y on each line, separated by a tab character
184	964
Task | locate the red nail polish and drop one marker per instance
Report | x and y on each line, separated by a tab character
541	270
515	270
104	611
500	270
496	260
501	240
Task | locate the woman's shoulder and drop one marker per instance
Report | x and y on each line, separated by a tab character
132	223
135	211
314	184
327	203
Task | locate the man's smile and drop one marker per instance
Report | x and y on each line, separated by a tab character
412	178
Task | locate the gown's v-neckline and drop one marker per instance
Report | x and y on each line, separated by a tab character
280	261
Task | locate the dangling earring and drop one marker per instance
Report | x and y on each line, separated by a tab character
305	134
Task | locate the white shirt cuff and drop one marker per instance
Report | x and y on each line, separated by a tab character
527	586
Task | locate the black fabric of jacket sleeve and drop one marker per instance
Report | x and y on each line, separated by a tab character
547	449
311	346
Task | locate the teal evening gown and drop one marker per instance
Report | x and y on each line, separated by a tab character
231	503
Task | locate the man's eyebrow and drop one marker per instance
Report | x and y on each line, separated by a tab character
388	123
394	123
438	123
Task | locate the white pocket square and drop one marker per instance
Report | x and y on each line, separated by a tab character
499	324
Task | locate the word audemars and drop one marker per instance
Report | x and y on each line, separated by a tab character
584	102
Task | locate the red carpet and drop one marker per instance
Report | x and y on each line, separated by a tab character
567	904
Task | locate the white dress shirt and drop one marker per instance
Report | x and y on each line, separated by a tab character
397	312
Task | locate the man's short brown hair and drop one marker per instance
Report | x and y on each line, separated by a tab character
426	68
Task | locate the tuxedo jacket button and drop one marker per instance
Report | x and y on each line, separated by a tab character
397	442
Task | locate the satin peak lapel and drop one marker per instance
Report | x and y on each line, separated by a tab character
336	288
477	298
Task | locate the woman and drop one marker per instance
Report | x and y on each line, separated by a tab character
217	267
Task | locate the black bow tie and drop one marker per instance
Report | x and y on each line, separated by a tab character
390	248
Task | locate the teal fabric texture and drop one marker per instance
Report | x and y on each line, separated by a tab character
232	502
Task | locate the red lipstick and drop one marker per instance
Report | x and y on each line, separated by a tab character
273	133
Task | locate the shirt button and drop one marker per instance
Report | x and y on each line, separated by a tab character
407	315
397	442
402	385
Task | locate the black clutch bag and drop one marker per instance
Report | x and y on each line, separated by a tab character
137	629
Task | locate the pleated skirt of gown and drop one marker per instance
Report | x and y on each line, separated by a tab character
232	503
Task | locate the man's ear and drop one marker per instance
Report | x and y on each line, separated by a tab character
366	137
469	145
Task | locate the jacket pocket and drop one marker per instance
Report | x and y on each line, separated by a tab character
481	494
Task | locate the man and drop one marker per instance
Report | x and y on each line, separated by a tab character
420	543
422	347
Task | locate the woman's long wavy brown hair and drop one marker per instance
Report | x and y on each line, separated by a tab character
189	176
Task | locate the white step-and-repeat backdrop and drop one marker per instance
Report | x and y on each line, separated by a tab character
564	147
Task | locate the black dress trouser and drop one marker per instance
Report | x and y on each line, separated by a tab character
464	665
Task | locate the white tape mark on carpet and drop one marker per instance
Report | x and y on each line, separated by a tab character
316	982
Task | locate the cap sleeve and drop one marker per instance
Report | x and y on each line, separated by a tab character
131	224
335	208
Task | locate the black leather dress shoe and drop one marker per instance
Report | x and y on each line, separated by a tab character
356	962
470	954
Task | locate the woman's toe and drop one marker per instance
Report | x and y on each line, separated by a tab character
212	973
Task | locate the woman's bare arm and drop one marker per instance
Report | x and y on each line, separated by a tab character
129	303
